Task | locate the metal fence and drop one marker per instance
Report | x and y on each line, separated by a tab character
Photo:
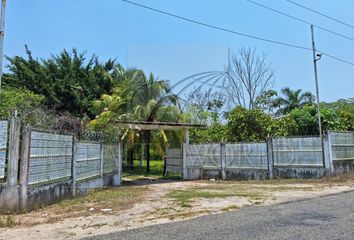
342	144
297	152
50	157
173	161
88	160
246	155
203	155
3	146
110	158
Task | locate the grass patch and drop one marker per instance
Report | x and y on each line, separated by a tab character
156	171
7	221
185	197
115	198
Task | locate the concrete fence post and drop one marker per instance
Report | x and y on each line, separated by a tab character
14	148
74	167
117	179
270	158
327	144
24	166
120	163
223	160
102	159
9	196
184	160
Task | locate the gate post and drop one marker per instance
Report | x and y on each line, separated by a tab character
270	157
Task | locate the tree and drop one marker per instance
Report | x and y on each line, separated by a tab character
248	76
138	98
247	125
23	101
293	99
208	105
68	81
268	102
306	119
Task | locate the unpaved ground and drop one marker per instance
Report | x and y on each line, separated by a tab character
158	202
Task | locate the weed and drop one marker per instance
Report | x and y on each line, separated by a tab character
7	221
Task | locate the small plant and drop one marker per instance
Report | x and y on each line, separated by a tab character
7	221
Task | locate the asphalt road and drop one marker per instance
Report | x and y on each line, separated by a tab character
330	217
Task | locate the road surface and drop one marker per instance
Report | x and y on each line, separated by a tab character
330	217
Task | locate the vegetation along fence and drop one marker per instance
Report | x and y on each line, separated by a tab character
52	166
286	157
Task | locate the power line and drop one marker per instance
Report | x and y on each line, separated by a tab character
300	20
218	28
235	32
322	14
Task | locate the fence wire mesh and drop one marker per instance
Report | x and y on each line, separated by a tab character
342	146
3	147
301	151
246	155
110	158
50	157
203	155
88	160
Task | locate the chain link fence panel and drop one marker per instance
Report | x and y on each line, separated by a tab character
110	158
297	152
3	147
88	160
50	157
246	155
342	146
203	155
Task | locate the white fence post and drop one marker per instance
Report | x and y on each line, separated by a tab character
14	148
185	170
73	168
25	153
223	160
102	159
270	157
120	163
328	153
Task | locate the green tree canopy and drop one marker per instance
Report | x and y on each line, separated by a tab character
68	81
293	99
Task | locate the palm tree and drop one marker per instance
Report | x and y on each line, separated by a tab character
293	99
152	101
138	98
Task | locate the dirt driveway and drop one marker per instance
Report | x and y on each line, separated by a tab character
147	202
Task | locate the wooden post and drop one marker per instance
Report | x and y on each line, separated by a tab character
24	168
14	148
270	157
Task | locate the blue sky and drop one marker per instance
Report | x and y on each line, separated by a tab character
173	49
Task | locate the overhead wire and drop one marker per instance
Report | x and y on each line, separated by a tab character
301	20
291	45
321	14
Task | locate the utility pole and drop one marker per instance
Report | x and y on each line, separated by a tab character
2	33
316	57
